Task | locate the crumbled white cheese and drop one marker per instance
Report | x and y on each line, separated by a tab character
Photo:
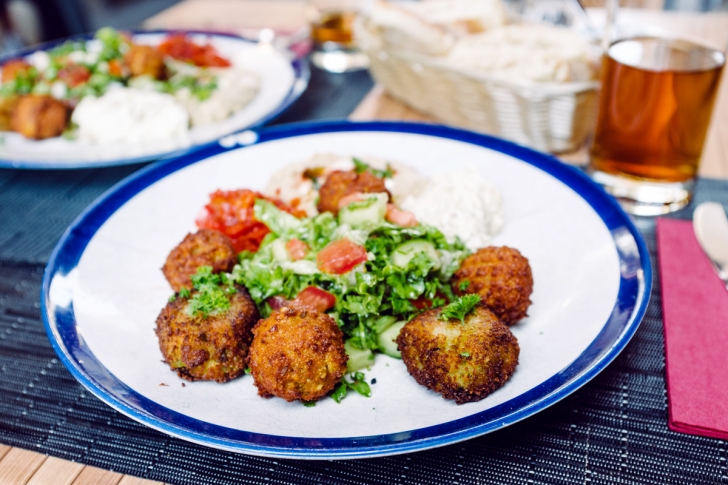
461	204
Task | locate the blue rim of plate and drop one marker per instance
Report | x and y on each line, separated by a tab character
628	311
301	74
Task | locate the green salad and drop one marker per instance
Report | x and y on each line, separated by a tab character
371	276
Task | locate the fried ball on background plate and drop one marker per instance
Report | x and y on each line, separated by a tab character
340	184
297	353
145	60
502	277
38	117
203	248
462	361
212	347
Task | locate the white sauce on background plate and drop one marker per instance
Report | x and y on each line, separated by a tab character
462	204
129	116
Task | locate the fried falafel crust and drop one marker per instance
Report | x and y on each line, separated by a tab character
38	116
464	362
503	279
297	353
212	348
340	184
203	248
145	60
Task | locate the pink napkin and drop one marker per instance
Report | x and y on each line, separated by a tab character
695	309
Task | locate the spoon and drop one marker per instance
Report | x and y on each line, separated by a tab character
711	229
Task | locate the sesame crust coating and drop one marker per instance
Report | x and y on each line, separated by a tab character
203	248
503	279
464	362
212	348
297	353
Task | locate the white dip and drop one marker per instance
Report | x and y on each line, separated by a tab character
235	89
461	204
129	116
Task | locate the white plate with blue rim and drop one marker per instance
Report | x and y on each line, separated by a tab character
103	290
283	78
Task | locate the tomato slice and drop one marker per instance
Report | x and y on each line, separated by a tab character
297	249
315	298
231	213
400	217
340	257
180	47
74	75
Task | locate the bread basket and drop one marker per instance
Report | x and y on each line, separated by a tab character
551	117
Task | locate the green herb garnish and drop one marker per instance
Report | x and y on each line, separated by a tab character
465	354
212	292
464	285
360	167
358	384
460	307
308	404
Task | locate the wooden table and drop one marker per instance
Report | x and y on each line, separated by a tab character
23	467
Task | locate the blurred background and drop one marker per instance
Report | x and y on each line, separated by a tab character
27	22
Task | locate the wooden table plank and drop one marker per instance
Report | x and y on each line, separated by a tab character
19	465
91	475
55	471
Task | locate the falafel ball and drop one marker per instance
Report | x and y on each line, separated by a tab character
297	353
145	60
502	277
208	348
464	362
204	248
38	116
340	184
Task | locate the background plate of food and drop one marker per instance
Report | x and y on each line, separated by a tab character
113	98
345	290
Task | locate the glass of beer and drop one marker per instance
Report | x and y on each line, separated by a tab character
332	34
655	105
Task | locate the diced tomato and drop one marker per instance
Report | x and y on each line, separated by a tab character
178	46
115	68
315	298
231	213
348	199
297	249
400	217
74	75
277	301
340	257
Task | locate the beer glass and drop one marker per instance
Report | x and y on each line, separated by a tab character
332	34
655	106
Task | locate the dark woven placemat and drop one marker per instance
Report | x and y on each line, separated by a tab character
36	206
613	430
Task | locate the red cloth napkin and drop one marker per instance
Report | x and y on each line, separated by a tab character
695	309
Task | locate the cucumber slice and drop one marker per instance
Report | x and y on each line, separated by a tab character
387	340
404	253
358	358
366	213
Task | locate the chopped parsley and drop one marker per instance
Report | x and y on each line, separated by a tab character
308	404
464	285
460	307
358	384
360	167
211	295
465	354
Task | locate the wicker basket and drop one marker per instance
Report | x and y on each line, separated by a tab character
552	117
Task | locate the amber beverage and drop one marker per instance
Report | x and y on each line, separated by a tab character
655	105
334	27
